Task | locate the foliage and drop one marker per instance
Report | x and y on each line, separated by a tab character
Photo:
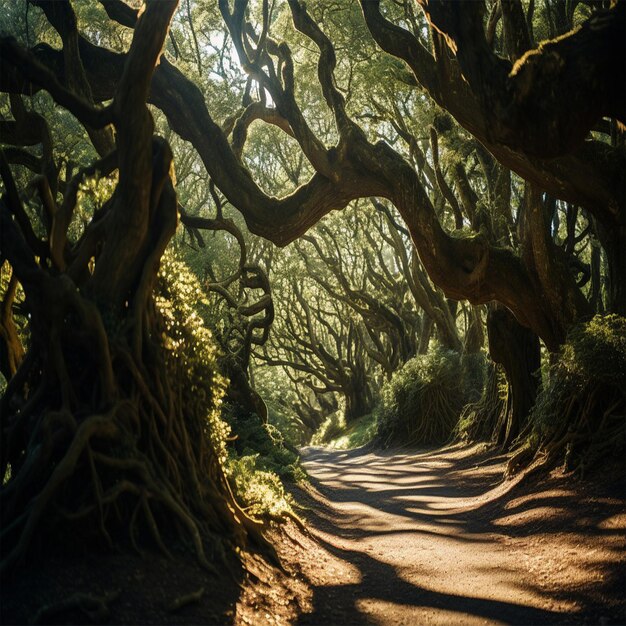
331	428
358	433
190	349
479	417
261	492
579	414
422	401
253	437
285	422
280	395
259	460
258	457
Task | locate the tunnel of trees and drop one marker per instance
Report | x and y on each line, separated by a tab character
215	212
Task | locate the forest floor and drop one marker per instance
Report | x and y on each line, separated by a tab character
438	537
435	537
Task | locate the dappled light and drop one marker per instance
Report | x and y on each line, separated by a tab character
439	539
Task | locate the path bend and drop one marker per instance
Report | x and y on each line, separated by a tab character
437	537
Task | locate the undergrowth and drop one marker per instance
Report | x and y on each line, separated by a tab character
260	492
259	459
422	401
579	418
479	417
335	434
255	456
331	428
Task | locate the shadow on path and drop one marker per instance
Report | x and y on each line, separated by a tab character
437	537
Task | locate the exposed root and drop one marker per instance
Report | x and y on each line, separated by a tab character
579	418
94	608
432	423
290	515
184	600
144	468
591	425
520	459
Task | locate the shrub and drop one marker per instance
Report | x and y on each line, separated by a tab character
190	351
253	437
260	492
479	418
579	415
259	460
475	372
258	457
422	401
331	428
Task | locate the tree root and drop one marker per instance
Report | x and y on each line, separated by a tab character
590	424
184	600
140	489
115	445
290	515
100	425
94	608
520	459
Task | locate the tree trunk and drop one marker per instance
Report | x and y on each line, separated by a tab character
11	349
517	349
240	391
614	243
109	436
425	334
359	400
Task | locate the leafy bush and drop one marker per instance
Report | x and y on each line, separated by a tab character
422	401
479	417
190	351
331	428
260	492
253	437
579	413
475	371
259	460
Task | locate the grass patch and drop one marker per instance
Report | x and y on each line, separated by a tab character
334	433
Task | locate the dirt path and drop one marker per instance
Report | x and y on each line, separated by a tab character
437	538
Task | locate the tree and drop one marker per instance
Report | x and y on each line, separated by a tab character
241	318
462	267
101	428
498	102
318	343
354	264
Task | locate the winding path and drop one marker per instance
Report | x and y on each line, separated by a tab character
438	538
